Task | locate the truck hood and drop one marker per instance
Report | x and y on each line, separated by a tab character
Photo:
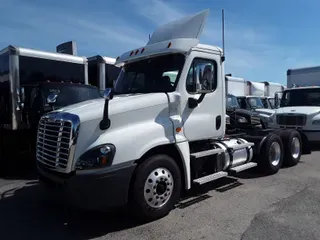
265	111
93	109
309	110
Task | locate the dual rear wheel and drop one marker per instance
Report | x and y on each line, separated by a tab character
283	148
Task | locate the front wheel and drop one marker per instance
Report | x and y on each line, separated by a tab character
156	187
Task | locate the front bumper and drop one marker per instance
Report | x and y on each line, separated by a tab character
105	189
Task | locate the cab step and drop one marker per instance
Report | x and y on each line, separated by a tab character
243	167
206	153
240	146
210	177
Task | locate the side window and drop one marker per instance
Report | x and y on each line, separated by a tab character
202	75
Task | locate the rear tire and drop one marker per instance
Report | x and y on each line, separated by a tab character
271	155
292	143
155	188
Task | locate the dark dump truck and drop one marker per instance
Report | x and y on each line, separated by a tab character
32	83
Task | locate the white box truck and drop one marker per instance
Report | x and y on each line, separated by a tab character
151	138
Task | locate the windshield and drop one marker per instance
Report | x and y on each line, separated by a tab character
158	74
255	102
301	97
232	102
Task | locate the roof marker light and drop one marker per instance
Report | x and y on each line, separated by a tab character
169	45
117	58
137	52
142	50
132	52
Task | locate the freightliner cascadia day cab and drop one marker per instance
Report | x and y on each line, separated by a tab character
151	138
32	83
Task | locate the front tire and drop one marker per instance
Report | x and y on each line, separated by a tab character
271	155
155	188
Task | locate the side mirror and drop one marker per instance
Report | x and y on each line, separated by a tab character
105	122
52	98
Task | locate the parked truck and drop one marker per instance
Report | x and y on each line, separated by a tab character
151	138
299	108
249	95
270	89
32	83
298	105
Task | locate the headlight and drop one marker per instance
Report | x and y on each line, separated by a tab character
316	122
98	157
242	120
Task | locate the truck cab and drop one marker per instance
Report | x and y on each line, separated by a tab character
255	104
268	102
241	118
299	108
154	136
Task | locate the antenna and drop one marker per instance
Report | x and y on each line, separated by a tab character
223	57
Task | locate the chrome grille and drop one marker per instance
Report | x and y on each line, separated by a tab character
255	120
293	120
53	144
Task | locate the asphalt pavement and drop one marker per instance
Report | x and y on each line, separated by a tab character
282	206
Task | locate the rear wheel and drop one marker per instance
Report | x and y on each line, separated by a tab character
271	154
156	187
292	147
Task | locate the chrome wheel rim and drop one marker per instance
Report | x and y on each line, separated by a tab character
275	153
295	147
158	187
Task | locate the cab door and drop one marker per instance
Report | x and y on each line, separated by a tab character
203	101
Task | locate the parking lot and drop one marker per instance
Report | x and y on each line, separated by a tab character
282	206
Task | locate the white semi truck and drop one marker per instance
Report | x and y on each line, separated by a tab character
299	104
152	138
299	108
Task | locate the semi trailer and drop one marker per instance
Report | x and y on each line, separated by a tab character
153	137
32	83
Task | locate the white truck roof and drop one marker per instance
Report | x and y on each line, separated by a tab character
179	36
